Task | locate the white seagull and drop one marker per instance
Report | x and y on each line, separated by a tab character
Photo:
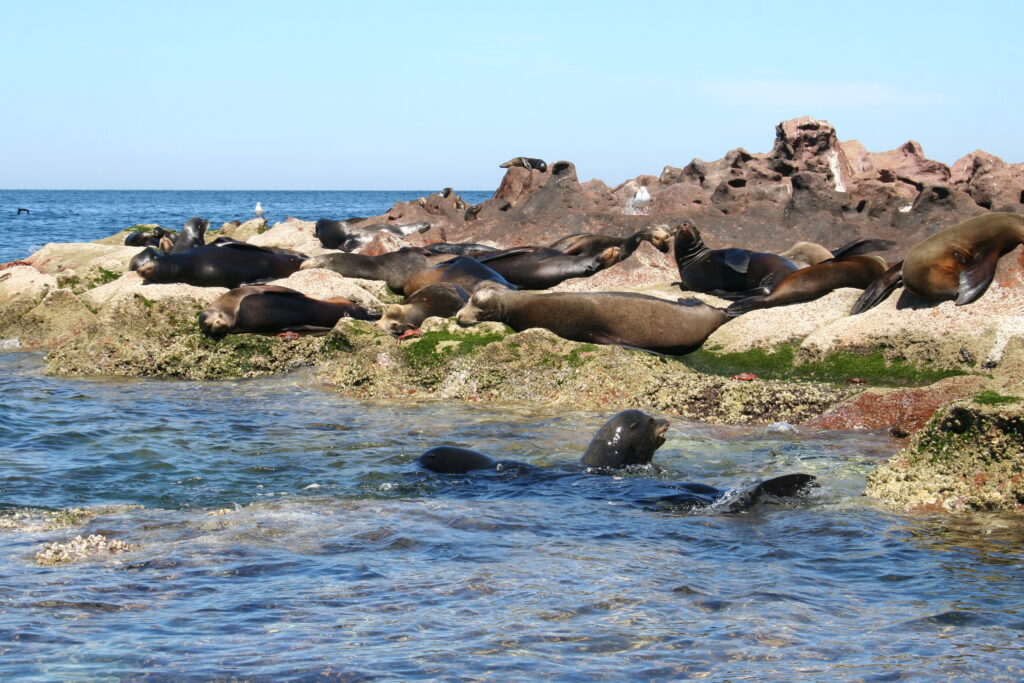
259	210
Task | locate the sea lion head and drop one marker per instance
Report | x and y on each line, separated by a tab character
627	438
485	304
215	322
454	460
157	269
393	321
607	258
660	238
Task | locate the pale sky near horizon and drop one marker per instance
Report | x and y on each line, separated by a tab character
317	95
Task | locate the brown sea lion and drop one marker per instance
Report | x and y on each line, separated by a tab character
590	244
850	267
269	309
956	263
458	248
807	252
542	267
394	267
440	299
463	271
226	264
727	273
635	320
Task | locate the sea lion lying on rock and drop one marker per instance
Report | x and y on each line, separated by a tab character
151	238
462	271
394	267
224	264
345	235
956	263
636	320
588	243
542	267
269	309
440	299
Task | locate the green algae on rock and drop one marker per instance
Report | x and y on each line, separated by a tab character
970	456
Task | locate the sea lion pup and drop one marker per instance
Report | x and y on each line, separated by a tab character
849	268
727	273
527	163
268	309
590	244
346	236
226	264
458	248
440	299
394	267
808	253
462	271
636	320
192	235
956	263
542	267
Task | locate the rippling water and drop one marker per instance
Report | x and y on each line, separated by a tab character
331	554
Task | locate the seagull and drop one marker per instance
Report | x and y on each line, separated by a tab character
259	210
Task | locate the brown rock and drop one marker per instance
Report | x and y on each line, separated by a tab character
990	181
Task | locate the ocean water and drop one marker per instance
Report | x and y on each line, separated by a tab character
278	531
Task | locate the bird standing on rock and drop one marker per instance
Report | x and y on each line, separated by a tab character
259	209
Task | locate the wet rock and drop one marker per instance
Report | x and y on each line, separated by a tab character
80	548
22	287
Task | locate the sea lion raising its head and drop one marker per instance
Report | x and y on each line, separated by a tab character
627	438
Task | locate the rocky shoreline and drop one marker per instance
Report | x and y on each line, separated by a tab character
944	374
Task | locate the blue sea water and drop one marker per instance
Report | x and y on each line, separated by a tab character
279	531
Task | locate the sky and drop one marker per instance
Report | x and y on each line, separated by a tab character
309	95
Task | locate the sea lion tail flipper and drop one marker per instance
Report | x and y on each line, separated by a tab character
751	303
737	259
878	290
977	275
736	296
862	246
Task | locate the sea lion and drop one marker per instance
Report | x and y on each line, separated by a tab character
226	264
956	263
440	299
627	438
345	235
192	235
147	238
850	267
636	320
727	273
807	253
394	267
463	271
456	460
542	267
526	162
590	244
269	309
22	209
144	256
458	248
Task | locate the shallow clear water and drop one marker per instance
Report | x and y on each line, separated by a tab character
338	557
86	215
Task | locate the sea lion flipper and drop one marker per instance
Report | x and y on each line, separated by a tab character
878	290
737	259
738	308
862	246
977	275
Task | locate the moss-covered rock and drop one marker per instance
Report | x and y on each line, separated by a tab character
82	266
22	288
970	456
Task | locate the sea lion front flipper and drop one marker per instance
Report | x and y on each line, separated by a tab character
737	259
878	290
977	275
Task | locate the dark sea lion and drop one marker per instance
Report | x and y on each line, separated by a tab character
192	235
147	238
22	209
727	273
527	163
542	267
268	309
462	271
636	320
957	263
227	264
627	438
590	244
394	267
456	460
458	248
144	256
440	299
345	235
849	268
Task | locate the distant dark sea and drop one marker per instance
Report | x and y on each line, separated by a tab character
86	215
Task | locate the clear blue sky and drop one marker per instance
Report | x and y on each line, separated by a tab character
423	95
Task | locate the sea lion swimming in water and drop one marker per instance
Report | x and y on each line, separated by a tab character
462	271
957	263
394	267
542	267
441	299
590	244
225	264
269	309
850	267
345	235
635	320
727	273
